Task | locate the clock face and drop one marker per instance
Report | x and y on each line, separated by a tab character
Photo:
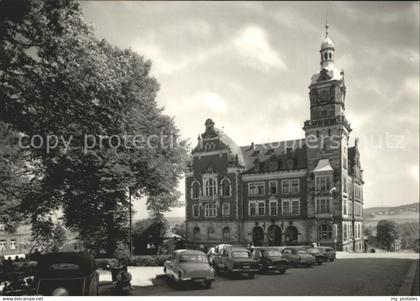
324	95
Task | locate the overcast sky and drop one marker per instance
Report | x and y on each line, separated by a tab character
247	65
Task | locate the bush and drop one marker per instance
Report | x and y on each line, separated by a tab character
149	260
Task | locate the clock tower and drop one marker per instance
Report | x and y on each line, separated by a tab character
327	133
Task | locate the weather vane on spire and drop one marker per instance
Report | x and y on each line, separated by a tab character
326	24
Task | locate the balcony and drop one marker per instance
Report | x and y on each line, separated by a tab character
324	215
205	198
327	121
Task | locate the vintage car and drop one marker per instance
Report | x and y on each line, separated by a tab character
66	274
270	259
328	252
189	266
298	257
319	256
236	260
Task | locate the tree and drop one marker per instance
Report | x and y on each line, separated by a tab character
150	230
387	232
58	80
47	236
179	229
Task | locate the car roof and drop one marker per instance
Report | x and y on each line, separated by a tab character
239	249
189	252
266	248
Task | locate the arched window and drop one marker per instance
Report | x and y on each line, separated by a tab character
195	190
211	187
329	55
226	233
210	233
325	232
196	233
226	187
325	55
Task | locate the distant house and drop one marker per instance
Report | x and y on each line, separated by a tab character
15	243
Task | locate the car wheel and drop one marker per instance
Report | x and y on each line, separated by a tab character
207	284
251	275
282	271
332	259
309	265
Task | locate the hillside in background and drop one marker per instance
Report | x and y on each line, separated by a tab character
175	220
398	214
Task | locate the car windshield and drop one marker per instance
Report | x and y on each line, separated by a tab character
301	252
272	253
313	250
241	254
193	258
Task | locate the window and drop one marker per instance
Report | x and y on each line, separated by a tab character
323	183
273	207
272	186
345	231
344	185
325	232
290	207
225	209
252	208
256	188
290	186
196	233
285	186
210	210
256	208
295	186
226	187
323	206
13	244
295	207
211	187
210	233
357	192
2	245
345	205
285	207
261	208
226	233
195	190
196	210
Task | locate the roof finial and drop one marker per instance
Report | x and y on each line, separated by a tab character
326	24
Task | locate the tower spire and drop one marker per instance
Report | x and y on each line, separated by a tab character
326	24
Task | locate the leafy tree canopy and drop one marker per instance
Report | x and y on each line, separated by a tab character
57	79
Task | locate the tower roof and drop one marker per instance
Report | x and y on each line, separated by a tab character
327	43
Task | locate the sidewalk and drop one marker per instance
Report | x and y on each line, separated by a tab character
142	276
402	255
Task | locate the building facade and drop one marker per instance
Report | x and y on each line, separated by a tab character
14	243
283	193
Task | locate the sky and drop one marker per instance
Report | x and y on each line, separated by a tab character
247	65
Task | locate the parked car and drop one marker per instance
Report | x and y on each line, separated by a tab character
328	252
189	266
270	259
235	260
66	274
298	257
319	256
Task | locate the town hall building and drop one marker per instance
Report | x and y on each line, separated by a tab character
285	193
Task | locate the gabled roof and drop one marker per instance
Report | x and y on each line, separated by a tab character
323	165
282	150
